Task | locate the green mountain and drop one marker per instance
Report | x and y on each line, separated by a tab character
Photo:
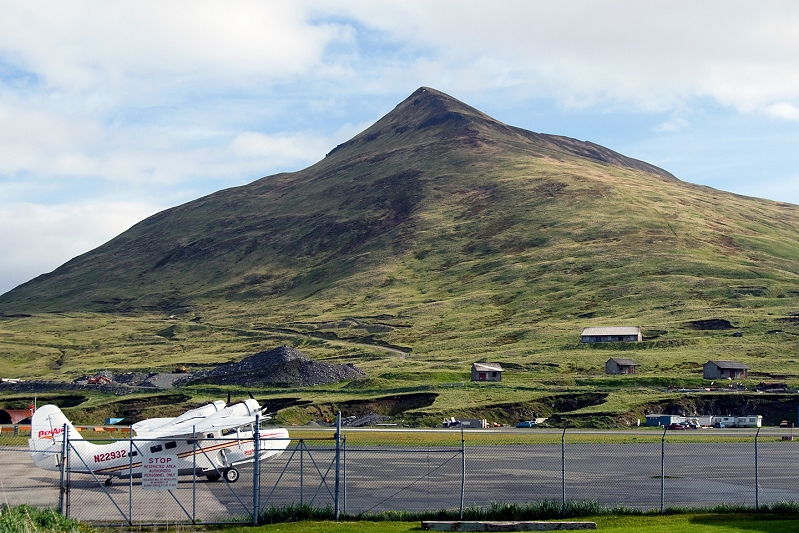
442	232
432	178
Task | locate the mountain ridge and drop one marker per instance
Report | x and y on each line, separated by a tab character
441	108
438	201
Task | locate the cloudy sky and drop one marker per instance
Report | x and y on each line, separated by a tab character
113	111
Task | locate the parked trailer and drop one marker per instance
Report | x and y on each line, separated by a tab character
731	421
723	421
750	421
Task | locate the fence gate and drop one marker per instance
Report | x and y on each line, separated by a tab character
304	475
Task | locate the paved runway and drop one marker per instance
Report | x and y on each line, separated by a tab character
377	478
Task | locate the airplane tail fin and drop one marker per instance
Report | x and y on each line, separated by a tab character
47	435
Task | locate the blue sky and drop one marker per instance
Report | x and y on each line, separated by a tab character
113	111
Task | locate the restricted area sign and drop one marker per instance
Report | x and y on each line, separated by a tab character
159	472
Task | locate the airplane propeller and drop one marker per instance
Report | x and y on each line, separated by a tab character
263	411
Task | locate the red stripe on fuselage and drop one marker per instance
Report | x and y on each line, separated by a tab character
199	451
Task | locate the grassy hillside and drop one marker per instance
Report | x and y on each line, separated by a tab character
435	238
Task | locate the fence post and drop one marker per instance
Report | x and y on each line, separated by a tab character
563	470
130	477
66	469
194	474
301	444
62	486
463	470
757	468
338	460
256	472
662	468
344	444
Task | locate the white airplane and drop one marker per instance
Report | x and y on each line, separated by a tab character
211	441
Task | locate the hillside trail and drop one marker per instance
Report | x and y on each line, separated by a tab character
305	335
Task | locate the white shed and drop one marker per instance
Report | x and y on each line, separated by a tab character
612	334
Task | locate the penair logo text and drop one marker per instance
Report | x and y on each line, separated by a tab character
49	433
118	454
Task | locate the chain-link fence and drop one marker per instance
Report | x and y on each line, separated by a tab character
21	482
404	470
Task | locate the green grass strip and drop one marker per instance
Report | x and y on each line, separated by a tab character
688	522
28	519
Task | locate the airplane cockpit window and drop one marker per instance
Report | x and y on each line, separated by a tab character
134	453
156	448
210	436
170	445
229	431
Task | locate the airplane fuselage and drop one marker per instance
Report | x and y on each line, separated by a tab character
212	452
208	456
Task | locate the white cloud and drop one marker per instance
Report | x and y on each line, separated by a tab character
280	149
38	238
30	137
673	125
48	149
146	48
651	55
784	111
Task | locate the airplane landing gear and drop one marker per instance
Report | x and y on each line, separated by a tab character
108	482
213	476
231	474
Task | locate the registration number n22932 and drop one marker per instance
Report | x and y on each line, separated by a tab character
117	454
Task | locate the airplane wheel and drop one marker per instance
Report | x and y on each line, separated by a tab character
213	477
108	482
231	475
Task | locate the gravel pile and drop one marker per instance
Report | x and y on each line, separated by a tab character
281	366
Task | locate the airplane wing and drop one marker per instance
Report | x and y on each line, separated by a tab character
188	429
151	424
176	426
211	417
229	422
